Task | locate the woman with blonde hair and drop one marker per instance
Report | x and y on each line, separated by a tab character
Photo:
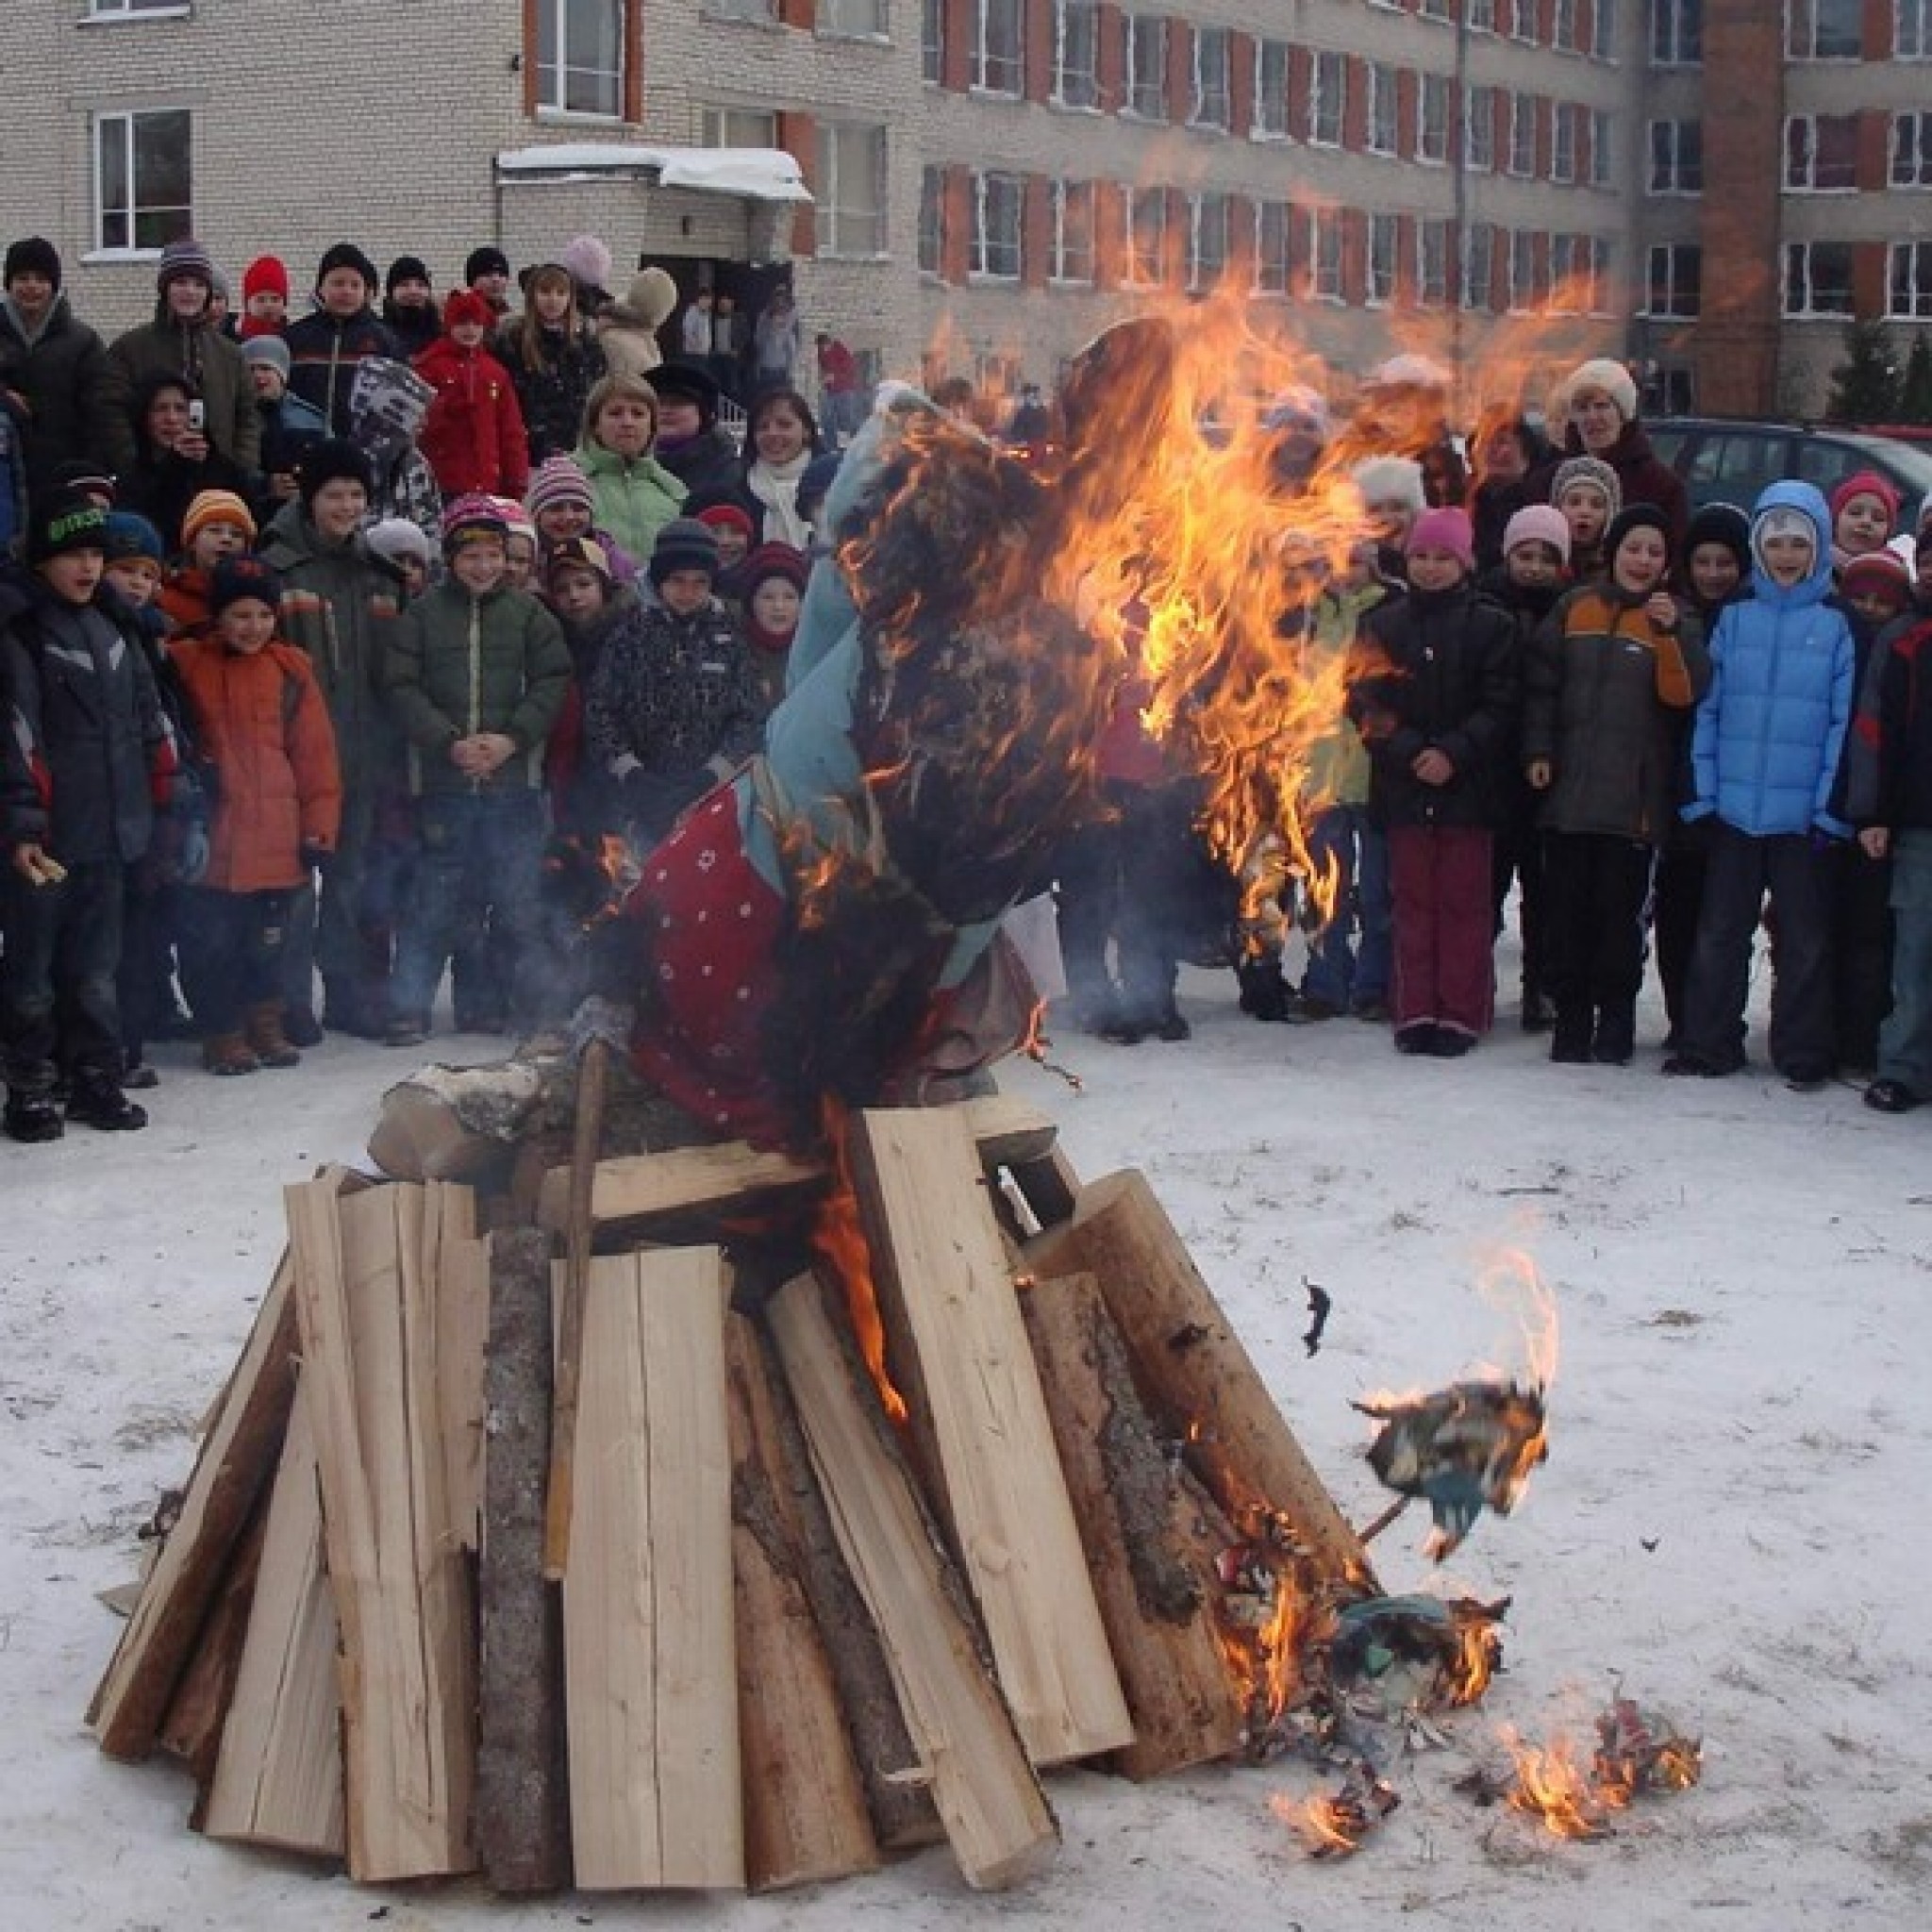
634	494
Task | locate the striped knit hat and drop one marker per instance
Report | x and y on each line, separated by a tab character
558	480
186	256
216	507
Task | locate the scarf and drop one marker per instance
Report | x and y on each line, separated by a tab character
776	486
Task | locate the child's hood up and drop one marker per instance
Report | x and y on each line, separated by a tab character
1809	501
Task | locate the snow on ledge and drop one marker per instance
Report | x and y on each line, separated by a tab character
757	173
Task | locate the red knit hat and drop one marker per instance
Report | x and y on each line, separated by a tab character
465	305
265	276
773	561
727	516
1865	483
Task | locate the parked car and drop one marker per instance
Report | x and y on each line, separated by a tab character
1722	460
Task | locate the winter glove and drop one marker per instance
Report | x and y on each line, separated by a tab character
317	857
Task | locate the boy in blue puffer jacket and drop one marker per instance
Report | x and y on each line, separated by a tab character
1765	756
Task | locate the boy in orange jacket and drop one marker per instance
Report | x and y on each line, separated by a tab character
263	728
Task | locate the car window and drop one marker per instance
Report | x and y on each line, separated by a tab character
1735	464
1827	463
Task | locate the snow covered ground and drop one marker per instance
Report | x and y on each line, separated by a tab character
1732	1525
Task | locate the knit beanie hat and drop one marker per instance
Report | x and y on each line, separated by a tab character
472	518
1592	471
767	561
267	274
405	268
577	553
270	349
76	476
1609	376
1879	573
32	256
1865	483
1537	523
465	305
558	480
684	543
1443	529
1409	371
238	578
395	538
346	255
1639	516
486	261
725	516
130	538
1720	522
587	260
68	522
185	258
215	507
331	459
516	518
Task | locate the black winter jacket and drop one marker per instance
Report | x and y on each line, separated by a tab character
1903	792
61	376
86	754
323	354
1438	669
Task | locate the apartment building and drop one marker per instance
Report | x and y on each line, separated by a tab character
968	185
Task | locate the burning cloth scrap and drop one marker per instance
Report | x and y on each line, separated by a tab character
1460	1448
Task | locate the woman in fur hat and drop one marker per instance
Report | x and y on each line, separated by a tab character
627	328
1599	412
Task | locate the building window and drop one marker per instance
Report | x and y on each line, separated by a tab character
1325	256
1524	293
1521	20
1824	29
1274	248
1674	286
1600	150
1480	128
1563	142
1602	31
1327	98
1206	240
999	47
1146	236
1383	130
1479	16
1073	232
737	127
1566	291
128	10
1818	278
1911	30
932	41
1434	9
851	216
1212	105
1146	66
1597	292
1820	152
1563	27
1432	262
994	251
1911	150
1432	120
853	20
1676	156
1677	33
1271	91
143	176
739	10
1478	265
932	220
1521	135
580	57
1076	54
1910	281
1384	244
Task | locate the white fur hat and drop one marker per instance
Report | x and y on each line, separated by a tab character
1609	376
588	259
1390	479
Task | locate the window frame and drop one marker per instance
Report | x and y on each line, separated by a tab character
1382	111
981	242
1802	161
1911	30
1520	163
1678	173
1918	279
1602	168
1259	128
179	217
1076	88
1477	251
1326	257
1521	293
833	212
1677	33
1138	28
997	72
1336	64
1382	261
1805	253
1206	269
932	42
1058	251
1920	120
1432	239
1479	127
1208	108
1134	200
1432	119
1281	214
117	13
553	16
879	30
1804	25
1564	143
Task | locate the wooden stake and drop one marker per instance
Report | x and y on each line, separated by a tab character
988	1797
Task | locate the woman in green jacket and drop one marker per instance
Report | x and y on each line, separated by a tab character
635	495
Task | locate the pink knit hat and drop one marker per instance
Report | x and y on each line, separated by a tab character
1443	529
558	480
1537	523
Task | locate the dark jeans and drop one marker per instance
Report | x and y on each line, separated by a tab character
145	983
1595	889
57	974
1518	854
1799	881
1340	973
346	927
1680	874
1861	954
1905	1040
231	953
477	884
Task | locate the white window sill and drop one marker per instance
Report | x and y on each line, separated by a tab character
99	257
863	37
1271	137
1070	282
1089	107
1012	96
852	254
1220	127
988	278
575	117
184	11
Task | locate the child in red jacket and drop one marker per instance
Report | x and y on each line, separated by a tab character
474	436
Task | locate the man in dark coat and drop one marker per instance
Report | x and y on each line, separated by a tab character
53	366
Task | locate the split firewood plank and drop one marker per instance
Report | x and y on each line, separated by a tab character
893	1774
805	1809
458	1265
449	1124
1156	1595
635	1189
278	1779
232	1472
957	1349
649	1658
984	1789
407	1675
1192	1368
523	1824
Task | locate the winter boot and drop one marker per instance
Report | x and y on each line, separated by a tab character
97	1101
1615	1039
33	1116
1571	1036
406	1029
228	1052
1265	993
267	1038
346	1008
300	1026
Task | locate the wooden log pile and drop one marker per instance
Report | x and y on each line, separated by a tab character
829	1594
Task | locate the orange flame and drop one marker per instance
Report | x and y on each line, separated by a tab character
1553	1786
1332	1828
837	1236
